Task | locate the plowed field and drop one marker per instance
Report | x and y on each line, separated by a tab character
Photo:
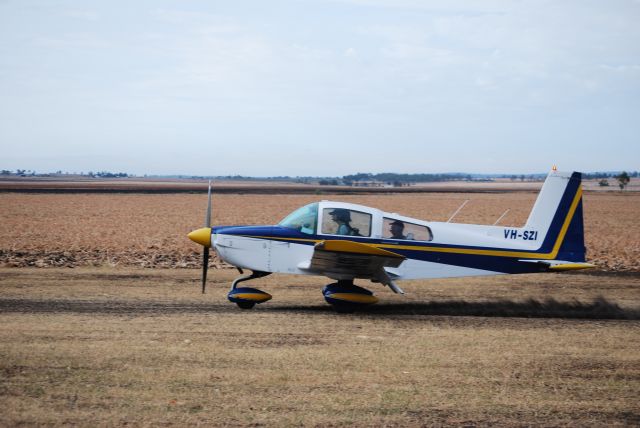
150	230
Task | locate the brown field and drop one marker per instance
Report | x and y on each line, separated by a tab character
150	230
142	347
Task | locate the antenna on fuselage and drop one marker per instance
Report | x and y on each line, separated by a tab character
458	210
502	216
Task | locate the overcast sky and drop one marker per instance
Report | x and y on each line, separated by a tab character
266	88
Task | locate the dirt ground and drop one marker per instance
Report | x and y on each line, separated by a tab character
142	347
48	230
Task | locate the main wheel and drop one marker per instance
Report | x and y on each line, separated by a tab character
246	297
245	305
345	297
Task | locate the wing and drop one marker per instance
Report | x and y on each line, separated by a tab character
334	258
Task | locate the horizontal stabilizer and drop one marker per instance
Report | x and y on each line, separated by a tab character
571	266
560	265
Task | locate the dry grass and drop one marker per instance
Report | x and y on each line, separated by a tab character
145	348
150	230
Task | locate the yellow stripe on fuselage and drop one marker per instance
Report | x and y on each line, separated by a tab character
499	253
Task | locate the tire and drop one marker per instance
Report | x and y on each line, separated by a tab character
245	305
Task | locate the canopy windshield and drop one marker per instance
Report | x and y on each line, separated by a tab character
303	219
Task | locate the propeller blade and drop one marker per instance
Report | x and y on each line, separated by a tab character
205	253
205	267
207	219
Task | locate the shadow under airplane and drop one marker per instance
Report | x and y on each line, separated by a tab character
599	309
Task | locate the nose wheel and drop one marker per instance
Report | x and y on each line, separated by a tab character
247	297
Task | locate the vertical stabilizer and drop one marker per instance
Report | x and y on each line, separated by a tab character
557	214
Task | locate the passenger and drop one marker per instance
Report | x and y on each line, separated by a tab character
397	229
343	217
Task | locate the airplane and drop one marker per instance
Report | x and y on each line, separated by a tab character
345	241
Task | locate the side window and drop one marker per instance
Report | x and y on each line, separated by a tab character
341	221
397	229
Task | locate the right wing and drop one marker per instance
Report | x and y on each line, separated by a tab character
355	259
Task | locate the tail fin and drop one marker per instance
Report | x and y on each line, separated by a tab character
557	214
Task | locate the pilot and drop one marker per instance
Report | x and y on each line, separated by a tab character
397	229
343	217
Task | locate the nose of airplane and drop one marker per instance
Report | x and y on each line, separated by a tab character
201	236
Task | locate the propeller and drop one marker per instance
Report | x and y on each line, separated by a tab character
205	253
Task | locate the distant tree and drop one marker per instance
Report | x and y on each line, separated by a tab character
623	180
522	177
603	183
5	172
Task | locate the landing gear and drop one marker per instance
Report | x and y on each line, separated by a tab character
245	304
247	297
345	297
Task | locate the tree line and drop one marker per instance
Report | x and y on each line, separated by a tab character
33	173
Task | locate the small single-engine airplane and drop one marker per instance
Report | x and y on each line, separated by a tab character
346	241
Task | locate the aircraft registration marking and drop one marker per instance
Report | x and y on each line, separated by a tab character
527	235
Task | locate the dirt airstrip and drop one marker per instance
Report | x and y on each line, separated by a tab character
143	347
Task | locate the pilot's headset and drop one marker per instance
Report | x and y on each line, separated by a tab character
342	215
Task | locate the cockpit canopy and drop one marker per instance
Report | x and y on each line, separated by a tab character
343	219
303	219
